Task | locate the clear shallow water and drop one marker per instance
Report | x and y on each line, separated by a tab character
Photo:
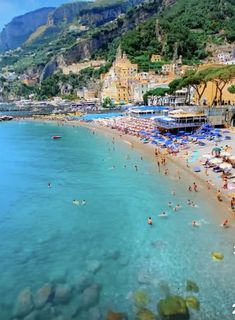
45	238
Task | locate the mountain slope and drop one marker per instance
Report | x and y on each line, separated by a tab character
20	28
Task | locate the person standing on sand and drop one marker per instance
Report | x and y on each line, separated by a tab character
219	197
195	187
189	188
225	186
159	165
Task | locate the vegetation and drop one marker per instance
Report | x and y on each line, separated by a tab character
108	103
158	92
198	80
231	89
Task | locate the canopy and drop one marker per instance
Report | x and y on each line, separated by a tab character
216	161
225	166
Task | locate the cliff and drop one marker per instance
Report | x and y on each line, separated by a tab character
20	28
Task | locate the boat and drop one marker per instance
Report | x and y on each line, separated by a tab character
56	137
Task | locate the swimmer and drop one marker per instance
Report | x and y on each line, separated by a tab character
189	203
195	223
83	202
178	206
170	204
163	214
150	221
225	224
136	168
49	185
76	202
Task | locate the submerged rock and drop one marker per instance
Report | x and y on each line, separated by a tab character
141	299
81	282
63	294
113	255
90	296
164	288
32	316
58	276
24	303
192	286
145	314
48	312
144	278
192	302
116	315
94	314
94	266
173	308
42	295
217	256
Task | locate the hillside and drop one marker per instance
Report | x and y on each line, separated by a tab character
80	31
20	28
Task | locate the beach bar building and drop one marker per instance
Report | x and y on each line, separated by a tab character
147	111
179	119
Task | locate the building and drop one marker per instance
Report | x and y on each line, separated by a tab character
156	58
180	119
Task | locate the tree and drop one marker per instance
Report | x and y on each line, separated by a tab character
221	76
231	89
157	92
108	103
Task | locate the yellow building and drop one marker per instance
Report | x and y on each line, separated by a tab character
210	91
117	82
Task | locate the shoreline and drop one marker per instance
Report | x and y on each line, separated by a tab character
173	162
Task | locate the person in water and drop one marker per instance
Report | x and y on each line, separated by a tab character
225	224
150	221
49	185
170	204
232	203
83	202
195	223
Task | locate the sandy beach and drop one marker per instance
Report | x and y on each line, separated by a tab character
176	165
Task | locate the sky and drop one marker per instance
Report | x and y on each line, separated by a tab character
13	8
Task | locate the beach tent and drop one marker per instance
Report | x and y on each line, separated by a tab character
225	166
216	161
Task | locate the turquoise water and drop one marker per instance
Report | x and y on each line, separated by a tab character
45	238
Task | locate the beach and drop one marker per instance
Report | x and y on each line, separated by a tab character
104	248
208	181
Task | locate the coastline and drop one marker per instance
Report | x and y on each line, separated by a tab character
173	163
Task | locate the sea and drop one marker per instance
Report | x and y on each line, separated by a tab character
65	259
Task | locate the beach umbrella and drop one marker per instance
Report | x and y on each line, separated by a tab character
181	131
225	154
226	131
207	156
216	149
225	166
197	169
216	161
232	158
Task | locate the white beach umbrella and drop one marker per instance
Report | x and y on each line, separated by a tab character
232	158
226	166
207	156
225	154
216	161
